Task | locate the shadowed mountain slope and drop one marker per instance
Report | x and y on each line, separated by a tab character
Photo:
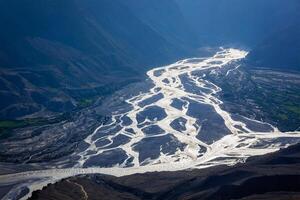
166	18
55	54
270	28
280	50
235	22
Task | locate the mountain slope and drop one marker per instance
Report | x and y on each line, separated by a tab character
166	18
55	54
281	50
244	23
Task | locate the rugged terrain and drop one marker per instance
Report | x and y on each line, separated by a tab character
82	92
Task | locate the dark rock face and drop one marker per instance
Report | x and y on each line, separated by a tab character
264	177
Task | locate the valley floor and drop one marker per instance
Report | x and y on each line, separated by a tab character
180	119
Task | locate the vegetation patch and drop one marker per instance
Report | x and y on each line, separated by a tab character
7	126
